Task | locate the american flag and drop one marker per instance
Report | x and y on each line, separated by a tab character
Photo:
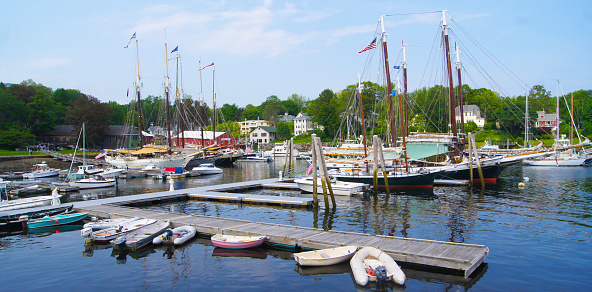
101	154
370	46
308	169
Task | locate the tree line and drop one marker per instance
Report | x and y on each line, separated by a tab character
31	110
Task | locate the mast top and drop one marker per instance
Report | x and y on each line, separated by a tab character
458	62
384	34
404	54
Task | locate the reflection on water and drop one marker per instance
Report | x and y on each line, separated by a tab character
539	237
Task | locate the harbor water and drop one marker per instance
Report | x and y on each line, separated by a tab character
539	238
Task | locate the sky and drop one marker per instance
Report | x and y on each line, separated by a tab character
263	48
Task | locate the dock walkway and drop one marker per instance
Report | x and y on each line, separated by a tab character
457	258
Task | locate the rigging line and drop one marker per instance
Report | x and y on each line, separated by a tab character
413	13
489	54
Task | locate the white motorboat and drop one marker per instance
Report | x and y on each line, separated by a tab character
39	201
152	170
106	223
106	235
207	168
372	264
176	236
326	257
41	170
94	182
140	237
111	172
340	188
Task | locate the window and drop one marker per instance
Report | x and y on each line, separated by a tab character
263	134
254	134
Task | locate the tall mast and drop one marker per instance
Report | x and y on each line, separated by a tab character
166	91
139	98
403	132
214	103
201	104
362	116
557	116
406	99
177	101
526	126
450	84
83	145
182	109
460	91
388	83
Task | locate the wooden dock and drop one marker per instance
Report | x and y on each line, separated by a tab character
455	258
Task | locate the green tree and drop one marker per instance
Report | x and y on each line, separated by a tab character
252	112
271	108
43	113
14	111
89	110
118	113
323	112
284	130
14	138
229	112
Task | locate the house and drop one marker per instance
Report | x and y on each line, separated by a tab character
263	134
250	125
545	122
286	118
471	113
195	138
302	124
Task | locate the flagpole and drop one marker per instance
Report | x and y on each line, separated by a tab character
139	97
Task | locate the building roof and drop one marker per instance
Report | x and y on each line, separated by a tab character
542	117
302	116
208	135
286	117
62	130
469	108
268	129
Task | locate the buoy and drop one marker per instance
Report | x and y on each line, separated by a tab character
526	178
521	185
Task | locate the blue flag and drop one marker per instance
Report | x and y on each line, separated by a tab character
175	49
133	37
394	93
397	67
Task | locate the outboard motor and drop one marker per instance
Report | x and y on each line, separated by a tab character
120	242
169	234
381	276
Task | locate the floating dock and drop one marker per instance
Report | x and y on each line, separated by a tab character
455	258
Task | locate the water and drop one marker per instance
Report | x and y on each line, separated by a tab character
539	238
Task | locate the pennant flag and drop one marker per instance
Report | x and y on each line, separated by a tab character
394	93
397	67
207	66
101	154
175	49
133	37
308	169
370	46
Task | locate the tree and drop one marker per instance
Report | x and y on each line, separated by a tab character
284	130
323	112
540	99
252	112
89	110
301	101
271	108
118	113
14	111
229	111
15	138
43	113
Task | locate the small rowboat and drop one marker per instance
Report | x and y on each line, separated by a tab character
107	223
57	220
325	257
140	237
105	235
177	236
372	264
237	242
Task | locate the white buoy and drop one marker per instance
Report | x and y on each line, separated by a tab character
172	187
521	185
526	178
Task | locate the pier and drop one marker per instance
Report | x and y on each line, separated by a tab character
454	258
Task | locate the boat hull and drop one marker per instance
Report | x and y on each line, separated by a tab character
325	257
106	235
57	220
92	184
237	242
339	188
557	162
407	181
177	236
162	162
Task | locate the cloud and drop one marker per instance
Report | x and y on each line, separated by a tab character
48	63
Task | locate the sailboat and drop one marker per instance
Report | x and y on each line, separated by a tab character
403	177
156	155
564	154
92	181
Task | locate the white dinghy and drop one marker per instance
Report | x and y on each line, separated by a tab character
372	264
325	257
176	236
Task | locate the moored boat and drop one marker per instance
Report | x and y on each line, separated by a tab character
108	223
94	182
372	264
206	168
39	201
176	236
57	220
41	170
236	241
140	237
325	257
105	235
340	188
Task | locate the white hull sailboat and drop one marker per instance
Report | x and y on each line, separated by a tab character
41	170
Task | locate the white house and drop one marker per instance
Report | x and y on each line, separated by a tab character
471	113
302	124
263	134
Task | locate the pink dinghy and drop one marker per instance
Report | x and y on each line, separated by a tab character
237	242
